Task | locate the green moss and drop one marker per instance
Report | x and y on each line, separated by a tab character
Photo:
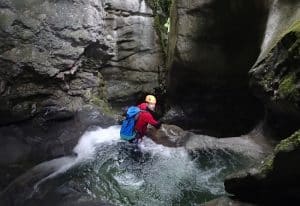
267	165
295	27
5	20
102	104
161	12
290	143
295	48
160	6
287	88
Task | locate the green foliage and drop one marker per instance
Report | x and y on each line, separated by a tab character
160	6
161	11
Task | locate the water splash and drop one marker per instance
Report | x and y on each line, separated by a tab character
151	174
85	149
125	174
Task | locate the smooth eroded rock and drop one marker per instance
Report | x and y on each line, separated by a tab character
275	180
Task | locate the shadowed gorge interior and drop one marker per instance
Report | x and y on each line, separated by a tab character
208	74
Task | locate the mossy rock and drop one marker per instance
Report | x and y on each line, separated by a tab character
275	179
104	105
287	145
288	88
295	27
276	79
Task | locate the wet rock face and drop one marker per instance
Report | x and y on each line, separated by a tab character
137	53
275	80
276	76
213	45
58	56
32	141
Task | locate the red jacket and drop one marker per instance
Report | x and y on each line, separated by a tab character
144	118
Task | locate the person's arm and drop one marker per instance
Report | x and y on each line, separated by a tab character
152	121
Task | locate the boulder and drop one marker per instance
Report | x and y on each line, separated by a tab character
168	135
275	180
243	146
174	136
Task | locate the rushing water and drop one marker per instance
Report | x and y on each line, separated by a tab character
120	173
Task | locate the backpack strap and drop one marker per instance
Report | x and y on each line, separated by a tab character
137	116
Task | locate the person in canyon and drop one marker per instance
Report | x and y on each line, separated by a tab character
145	117
134	127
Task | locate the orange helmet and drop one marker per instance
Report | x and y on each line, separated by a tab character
150	99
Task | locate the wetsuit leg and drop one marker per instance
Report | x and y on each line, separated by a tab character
132	140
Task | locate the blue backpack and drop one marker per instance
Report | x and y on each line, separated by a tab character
127	131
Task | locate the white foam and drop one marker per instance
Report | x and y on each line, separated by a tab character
147	145
85	148
128	179
171	168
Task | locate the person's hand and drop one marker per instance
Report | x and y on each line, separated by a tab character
158	124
